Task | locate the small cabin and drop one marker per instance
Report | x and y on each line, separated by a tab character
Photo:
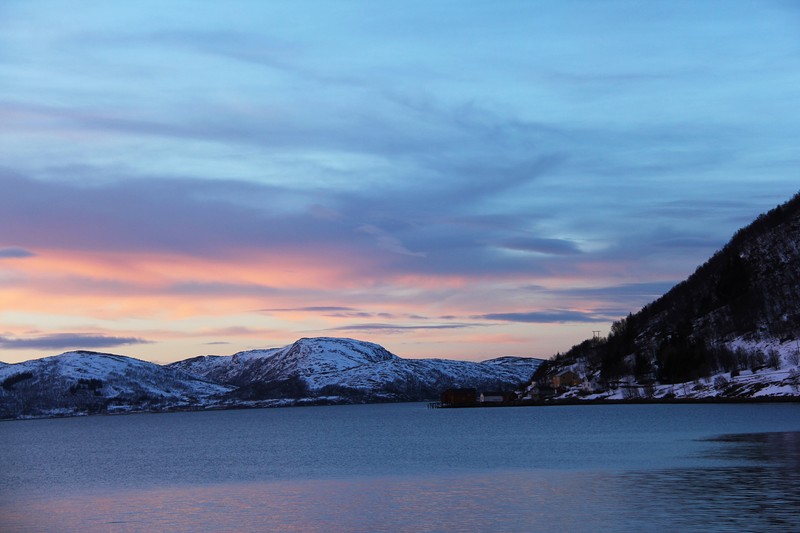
491	397
497	397
568	378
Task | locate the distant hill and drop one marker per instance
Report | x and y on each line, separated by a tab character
351	369
732	329
89	382
322	370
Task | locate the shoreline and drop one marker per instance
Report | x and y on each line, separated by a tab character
436	405
637	401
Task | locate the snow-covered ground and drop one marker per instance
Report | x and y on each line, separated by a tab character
766	381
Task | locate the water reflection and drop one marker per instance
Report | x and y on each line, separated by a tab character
768	448
499	501
621	468
758	491
756	487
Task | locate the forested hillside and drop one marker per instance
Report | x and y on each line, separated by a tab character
739	311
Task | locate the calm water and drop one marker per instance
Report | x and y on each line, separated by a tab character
402	467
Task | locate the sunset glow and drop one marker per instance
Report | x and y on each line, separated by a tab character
461	180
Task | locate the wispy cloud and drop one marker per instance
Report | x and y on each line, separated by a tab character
401	327
220	288
546	317
312	309
387	241
67	340
541	246
15	253
650	290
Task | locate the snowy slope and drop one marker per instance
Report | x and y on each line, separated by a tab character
340	365
424	378
76	382
218	368
305	357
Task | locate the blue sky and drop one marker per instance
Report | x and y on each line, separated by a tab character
449	179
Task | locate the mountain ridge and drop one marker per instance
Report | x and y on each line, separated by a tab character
308	371
363	370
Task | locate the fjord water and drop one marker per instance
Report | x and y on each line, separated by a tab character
402	467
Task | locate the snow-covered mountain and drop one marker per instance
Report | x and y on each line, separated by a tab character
353	369
306	358
89	382
322	370
731	330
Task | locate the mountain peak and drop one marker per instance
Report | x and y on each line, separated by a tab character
329	354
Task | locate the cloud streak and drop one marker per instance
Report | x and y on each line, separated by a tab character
312	309
15	253
401	327
60	341
545	317
542	246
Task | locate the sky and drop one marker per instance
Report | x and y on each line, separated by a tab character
447	179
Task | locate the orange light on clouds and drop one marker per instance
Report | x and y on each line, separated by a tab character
250	299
